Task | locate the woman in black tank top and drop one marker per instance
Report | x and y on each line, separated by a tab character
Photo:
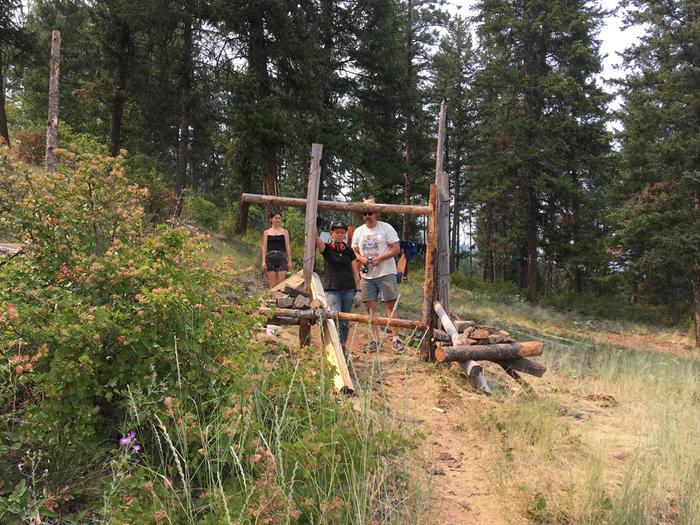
276	251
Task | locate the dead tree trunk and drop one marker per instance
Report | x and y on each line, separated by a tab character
257	61
4	132
696	275
52	125
124	58
246	167
183	146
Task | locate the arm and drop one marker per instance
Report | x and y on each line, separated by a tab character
288	247
356	274
358	256
264	251
393	251
320	245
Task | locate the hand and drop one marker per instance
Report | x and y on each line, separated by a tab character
375	261
357	300
289	265
264	266
363	260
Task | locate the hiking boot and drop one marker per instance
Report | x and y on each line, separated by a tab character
397	343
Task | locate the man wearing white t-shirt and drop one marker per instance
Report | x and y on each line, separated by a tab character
376	244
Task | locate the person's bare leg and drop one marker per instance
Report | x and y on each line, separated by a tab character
281	276
272	279
371	307
389	305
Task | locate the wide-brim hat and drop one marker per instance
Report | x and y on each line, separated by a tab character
335	225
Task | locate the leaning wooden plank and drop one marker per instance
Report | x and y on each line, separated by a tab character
497	352
331	341
471	369
526	366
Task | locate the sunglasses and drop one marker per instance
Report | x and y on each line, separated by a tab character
368	214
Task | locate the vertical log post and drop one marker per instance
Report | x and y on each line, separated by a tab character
310	231
427	350
443	220
52	126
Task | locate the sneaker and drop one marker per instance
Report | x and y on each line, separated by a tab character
373	346
397	343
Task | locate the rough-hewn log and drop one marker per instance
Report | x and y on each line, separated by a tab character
52	125
310	231
357	207
461	326
443	215
498	352
315	313
294	292
284	321
301	302
427	350
471	369
523	365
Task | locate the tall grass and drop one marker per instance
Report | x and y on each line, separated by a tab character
614	436
286	451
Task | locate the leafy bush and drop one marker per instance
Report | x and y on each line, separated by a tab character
198	209
128	393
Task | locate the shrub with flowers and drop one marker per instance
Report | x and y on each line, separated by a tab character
131	393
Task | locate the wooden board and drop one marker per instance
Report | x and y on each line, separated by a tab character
331	341
295	281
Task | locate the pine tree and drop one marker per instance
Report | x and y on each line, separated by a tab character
541	128
661	149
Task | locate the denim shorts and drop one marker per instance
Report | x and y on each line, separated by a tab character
379	289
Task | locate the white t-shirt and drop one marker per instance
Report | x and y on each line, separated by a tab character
374	242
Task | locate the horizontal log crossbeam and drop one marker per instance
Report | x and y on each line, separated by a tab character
317	313
357	207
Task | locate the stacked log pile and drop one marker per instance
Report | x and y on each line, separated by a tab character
289	297
466	343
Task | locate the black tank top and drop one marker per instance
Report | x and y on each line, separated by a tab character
275	243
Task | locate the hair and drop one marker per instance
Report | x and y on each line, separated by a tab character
273	214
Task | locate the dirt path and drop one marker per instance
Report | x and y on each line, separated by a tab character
436	402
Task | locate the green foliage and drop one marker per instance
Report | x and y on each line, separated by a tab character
500	290
198	209
611	307
111	329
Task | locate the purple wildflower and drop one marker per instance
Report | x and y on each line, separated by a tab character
136	448
128	439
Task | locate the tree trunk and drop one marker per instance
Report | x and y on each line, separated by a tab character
672	305
257	61
52	125
4	132
531	243
185	111
696	275
123	72
241	222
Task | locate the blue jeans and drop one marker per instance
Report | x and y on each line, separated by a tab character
341	301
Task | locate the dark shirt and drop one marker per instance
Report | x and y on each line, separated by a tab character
275	243
338	270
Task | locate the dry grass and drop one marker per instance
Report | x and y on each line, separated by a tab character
613	435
